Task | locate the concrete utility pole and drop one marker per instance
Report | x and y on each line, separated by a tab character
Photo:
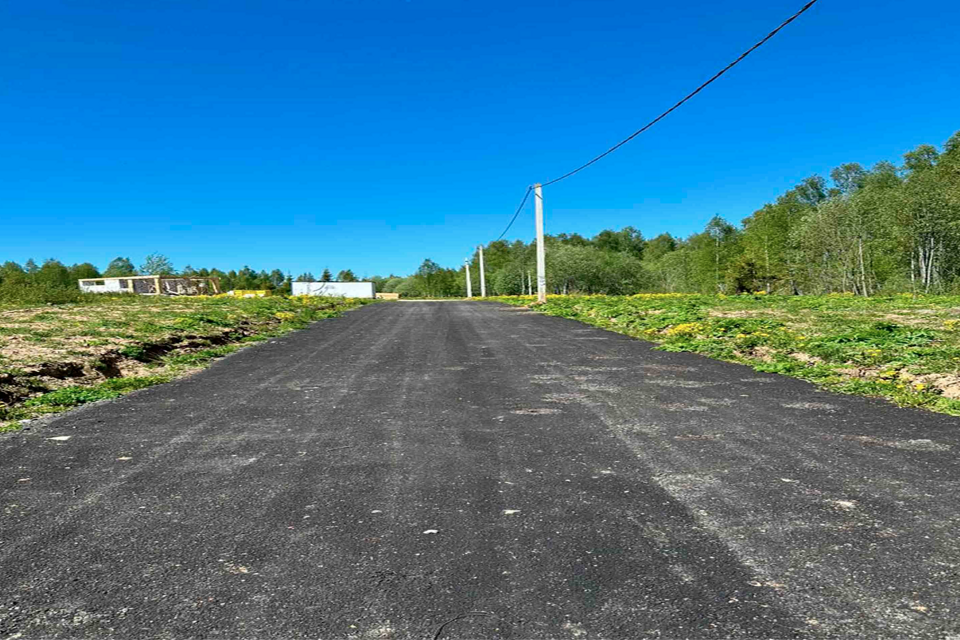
466	265
483	280
541	256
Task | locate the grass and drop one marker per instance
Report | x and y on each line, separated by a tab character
75	396
55	357
904	348
201	357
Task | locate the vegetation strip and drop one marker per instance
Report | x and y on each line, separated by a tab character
53	358
904	348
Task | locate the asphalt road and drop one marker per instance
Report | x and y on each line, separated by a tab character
457	470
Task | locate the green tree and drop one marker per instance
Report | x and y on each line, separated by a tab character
428	278
157	264
54	274
120	267
346	276
276	278
627	240
390	286
848	178
409	288
83	271
508	282
246	278
927	217
12	273
574	239
659	246
327	276
655	261
722	236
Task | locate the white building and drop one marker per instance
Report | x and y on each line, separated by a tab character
335	289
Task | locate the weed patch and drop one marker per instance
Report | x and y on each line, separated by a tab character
201	357
75	396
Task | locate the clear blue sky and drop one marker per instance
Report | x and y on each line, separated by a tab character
370	134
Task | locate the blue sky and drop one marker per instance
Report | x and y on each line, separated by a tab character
371	134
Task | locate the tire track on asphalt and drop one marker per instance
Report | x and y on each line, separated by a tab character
716	476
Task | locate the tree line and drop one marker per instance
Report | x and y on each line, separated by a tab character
890	228
53	281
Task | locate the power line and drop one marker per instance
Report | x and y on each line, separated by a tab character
519	209
674	107
662	115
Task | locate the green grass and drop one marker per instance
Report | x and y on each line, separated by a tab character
202	357
70	397
74	396
903	348
6	427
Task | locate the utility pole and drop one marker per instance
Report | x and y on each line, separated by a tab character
541	256
483	280
466	265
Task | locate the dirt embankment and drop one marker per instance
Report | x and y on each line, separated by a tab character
22	384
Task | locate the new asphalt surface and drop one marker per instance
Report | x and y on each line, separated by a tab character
469	470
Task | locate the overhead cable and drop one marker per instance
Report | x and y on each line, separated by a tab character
687	97
517	213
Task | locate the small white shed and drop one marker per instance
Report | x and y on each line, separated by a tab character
335	289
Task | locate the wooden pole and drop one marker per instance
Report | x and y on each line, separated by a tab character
466	266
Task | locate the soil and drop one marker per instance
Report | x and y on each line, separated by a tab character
97	364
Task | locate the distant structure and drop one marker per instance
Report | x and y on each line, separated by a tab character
153	285
387	296
335	289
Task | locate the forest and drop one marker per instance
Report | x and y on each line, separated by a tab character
894	227
887	229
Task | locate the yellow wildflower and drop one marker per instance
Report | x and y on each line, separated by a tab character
655	296
685	329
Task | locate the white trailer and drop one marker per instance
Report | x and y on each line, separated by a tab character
335	289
